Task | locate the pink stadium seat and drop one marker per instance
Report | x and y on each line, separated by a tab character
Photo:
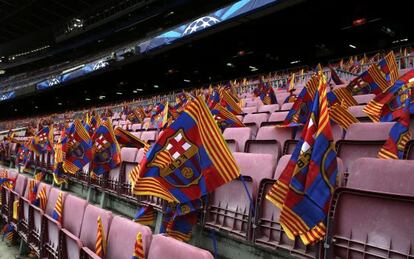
268	232
364	98
358	112
269	108
87	237
254	121
149	136
230	208
337	131
369	131
286	106
137	134
123	248
240	117
135	127
237	138
115	176
13	195
278	117
266	142
253	102
72	215
163	247
272	132
281	97
249	109
371	217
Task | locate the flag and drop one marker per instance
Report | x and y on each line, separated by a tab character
229	102
138	248
76	148
189	160
8	233
100	246
291	83
43	140
127	139
389	68
304	189
342	96
41	198
334	76
145	215
33	186
266	93
106	151
341	116
58	164
301	108
57	211
225	118
39	175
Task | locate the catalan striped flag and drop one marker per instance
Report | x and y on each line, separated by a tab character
229	102
41	198
189	160
342	96
100	247
76	148
127	139
8	233
33	186
39	175
138	248
341	116
57	211
58	164
225	118
106	151
389	68
334	76
304	189
145	215
291	83
266	93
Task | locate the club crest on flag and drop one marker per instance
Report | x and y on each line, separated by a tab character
75	149
102	150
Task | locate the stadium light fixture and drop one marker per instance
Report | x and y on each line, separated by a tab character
135	91
156	86
118	93
59	104
187	80
352	46
253	68
101	97
294	62
140	89
87	99
15	110
230	64
36	107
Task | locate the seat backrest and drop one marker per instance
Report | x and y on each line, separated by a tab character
269	108
240	135
250	109
122	236
150	135
128	154
276	133
364	98
52	198
281	97
281	164
257	118
12	174
369	131
136	126
137	134
90	223
379	175
278	116
163	247
20	186
73	212
357	111
286	106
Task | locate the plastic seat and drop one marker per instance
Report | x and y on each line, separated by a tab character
249	110
358	112
278	117
269	108
286	107
239	137
72	216
136	126
117	175
149	136
14	195
369	131
87	237
137	134
371	218
364	98
409	153
230	208
254	121
281	97
163	247
266	142
122	248
268	232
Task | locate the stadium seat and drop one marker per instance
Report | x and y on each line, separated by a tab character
163	247
73	213
237	138
5	197
269	108
371	217
135	127
278	117
254	121
87	236
266	142
364	98
116	175
249	110
409	153
281	97
14	195
149	136
358	112
231	208
369	131
286	106
137	134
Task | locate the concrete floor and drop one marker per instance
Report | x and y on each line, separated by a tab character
8	252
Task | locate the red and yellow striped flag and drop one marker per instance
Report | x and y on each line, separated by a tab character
42	197
100	239
138	248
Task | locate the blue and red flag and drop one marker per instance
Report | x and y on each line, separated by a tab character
304	189
334	76
76	148
42	142
266	93
145	215
57	211
229	102
106	151
189	160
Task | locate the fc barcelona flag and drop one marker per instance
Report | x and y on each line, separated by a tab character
229	102
334	76
266	93
43	140
189	160
127	139
76	148
106	152
138	248
304	189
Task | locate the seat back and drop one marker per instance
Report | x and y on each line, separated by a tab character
256	118
349	151
240	135
276	133
369	131
73	213
150	135
52	198
250	109
364	98
269	108
136	126
163	247
20	186
122	248
90	223
278	116
358	112
286	107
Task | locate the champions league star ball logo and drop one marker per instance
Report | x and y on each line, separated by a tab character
200	24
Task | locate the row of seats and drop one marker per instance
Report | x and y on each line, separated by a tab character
75	237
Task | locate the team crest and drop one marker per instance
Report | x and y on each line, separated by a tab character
102	150
183	168
75	149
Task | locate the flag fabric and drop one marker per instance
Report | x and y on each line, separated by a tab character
8	233
100	246
41	198
39	175
304	189
189	160
127	139
138	248
225	118
76	148
334	76
58	177
229	102
291	83
57	211
389	68
341	116
342	96
301	108
33	187
266	93
291	98
106	151
42	142
145	215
